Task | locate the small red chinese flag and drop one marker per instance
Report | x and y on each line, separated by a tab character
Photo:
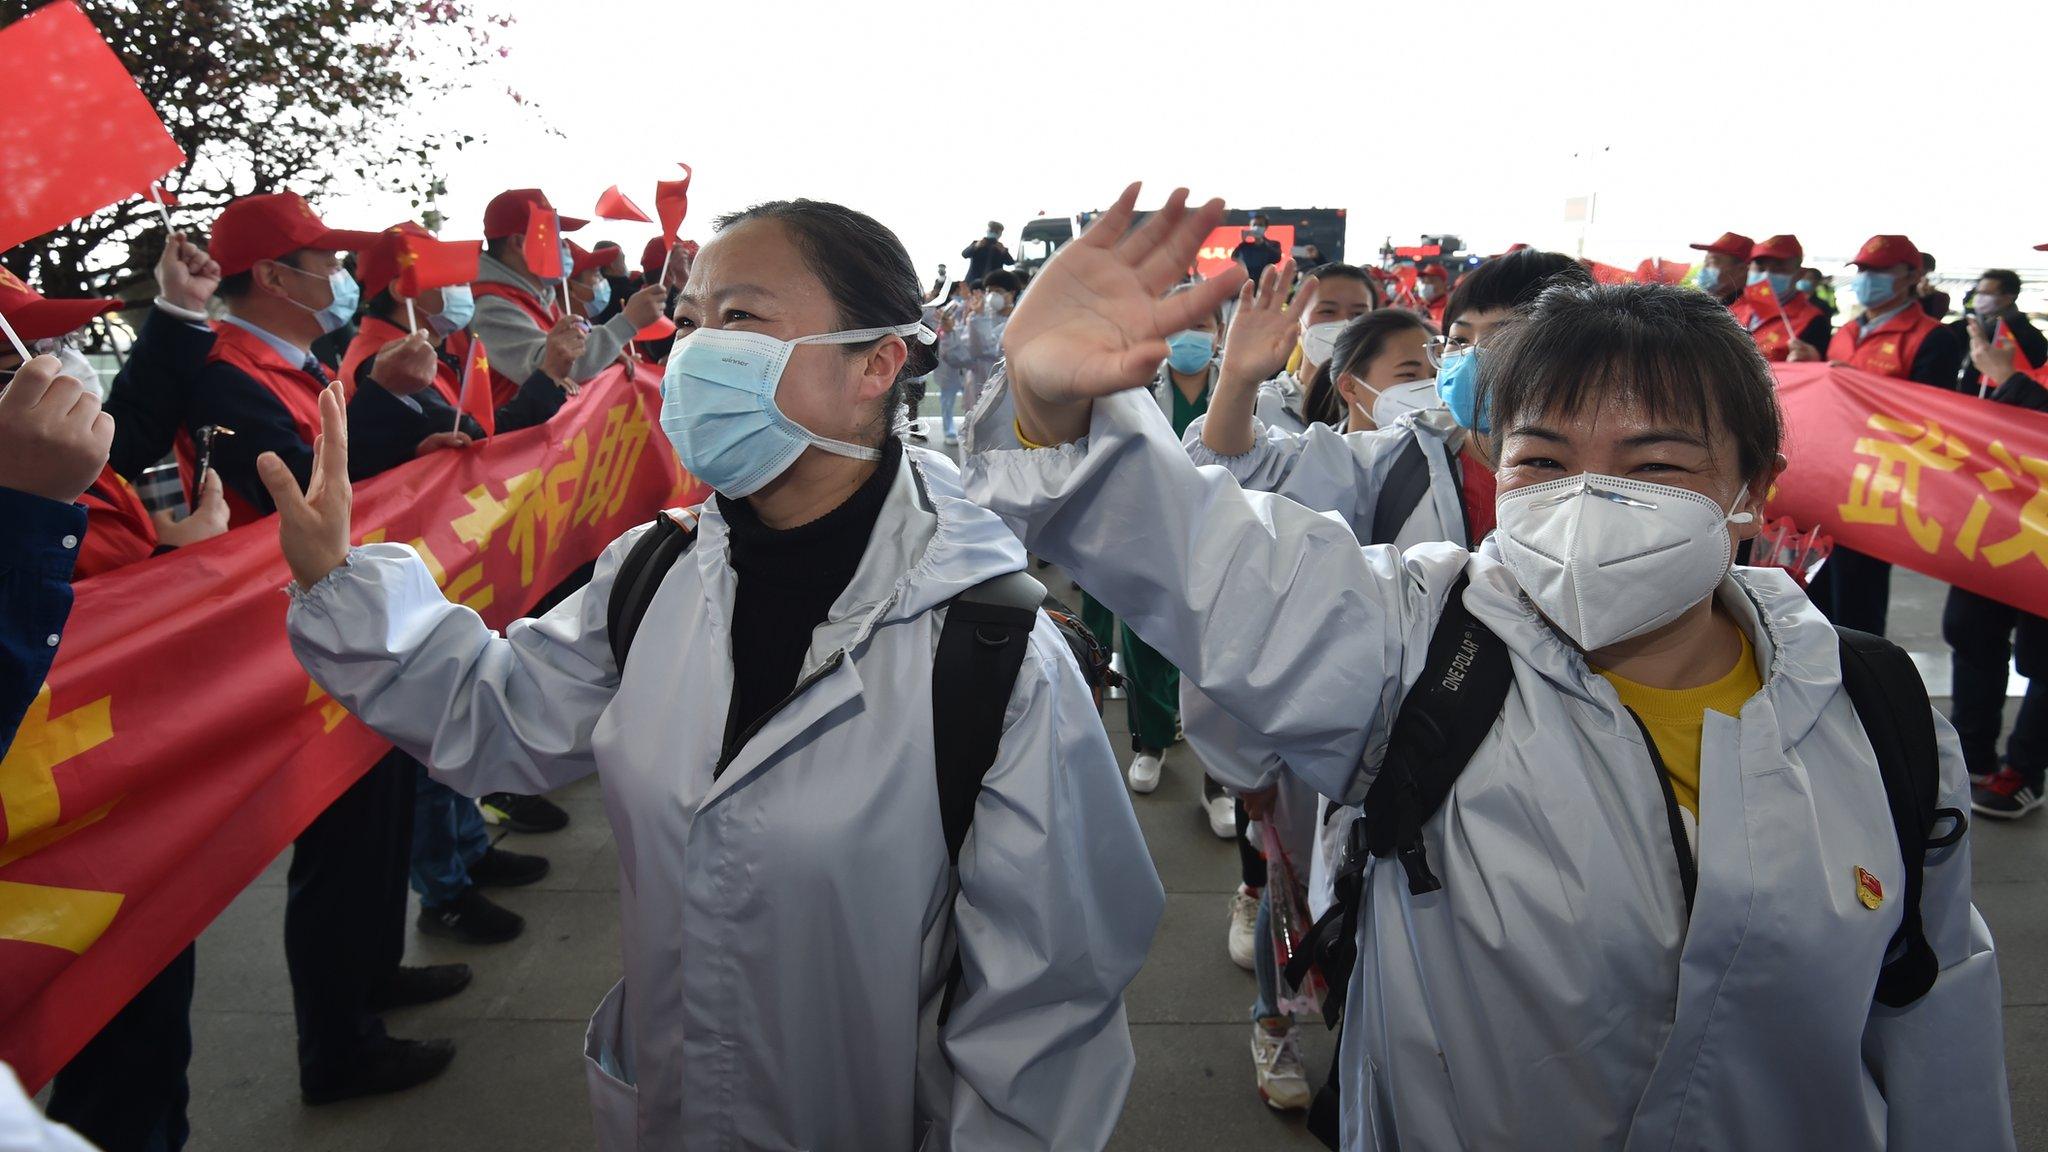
661	328
672	203
1760	296
75	133
614	205
476	388
544	244
425	263
162	197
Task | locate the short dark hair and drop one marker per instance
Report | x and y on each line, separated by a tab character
496	245
1511	281
995	225
2008	280
1680	350
1003	279
1360	341
1926	261
1258	216
973	283
864	268
601	245
1351	272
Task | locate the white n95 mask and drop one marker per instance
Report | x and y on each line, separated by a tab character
1318	341
1397	400
718	405
1608	559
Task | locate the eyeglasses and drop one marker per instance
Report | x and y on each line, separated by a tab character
1442	348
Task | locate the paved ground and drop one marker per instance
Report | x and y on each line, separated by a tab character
517	1084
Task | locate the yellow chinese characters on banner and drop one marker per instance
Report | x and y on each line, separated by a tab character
1885	488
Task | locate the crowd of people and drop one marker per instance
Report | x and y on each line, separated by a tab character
1564	816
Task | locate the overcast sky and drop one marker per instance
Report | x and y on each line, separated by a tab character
1829	120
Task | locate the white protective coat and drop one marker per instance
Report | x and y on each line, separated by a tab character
1326	470
787	928
1554	994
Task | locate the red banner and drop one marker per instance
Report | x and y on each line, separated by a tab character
1932	480
178	747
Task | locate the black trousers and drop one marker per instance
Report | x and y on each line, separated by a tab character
125	1090
1854	590
344	918
1984	637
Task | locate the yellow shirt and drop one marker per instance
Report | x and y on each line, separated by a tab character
1676	716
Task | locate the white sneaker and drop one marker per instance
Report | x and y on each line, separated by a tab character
1222	815
1244	927
951	439
1144	775
1283	1083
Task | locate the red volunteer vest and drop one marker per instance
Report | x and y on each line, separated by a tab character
118	530
1890	348
503	387
371	338
294	390
1771	331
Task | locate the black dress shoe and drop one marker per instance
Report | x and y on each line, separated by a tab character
498	868
386	1065
406	987
523	813
471	919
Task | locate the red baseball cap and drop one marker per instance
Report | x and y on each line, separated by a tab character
1886	252
1730	244
653	258
272	226
1778	248
36	317
507	211
1435	271
377	264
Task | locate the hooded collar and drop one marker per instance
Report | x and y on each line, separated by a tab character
1796	648
929	544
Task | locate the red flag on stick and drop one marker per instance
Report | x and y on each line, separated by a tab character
77	134
426	263
475	397
614	205
544	244
672	203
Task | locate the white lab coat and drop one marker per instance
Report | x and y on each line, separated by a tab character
1327	470
1555	993
787	928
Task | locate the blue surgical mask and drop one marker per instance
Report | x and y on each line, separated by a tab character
1805	285
1189	352
1457	381
1988	306
568	259
1781	282
718	405
1874	288
600	297
458	307
342	308
1710	278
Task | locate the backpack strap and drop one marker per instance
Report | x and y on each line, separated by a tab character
1406	484
981	647
1441	723
1891	701
640	576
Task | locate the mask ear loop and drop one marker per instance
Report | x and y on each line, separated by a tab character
1742	517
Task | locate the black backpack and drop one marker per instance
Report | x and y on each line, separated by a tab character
1450	711
981	647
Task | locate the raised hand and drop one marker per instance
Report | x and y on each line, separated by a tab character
53	437
1266	328
439	441
1262	335
1096	318
185	275
644	307
406	366
1993	362
312	526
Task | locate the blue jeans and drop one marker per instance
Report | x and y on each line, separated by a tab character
1264	967
448	836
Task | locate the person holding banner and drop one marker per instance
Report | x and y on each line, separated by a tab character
516	308
1657	868
792	909
1785	323
1894	337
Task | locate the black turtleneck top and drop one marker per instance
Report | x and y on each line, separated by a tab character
785	583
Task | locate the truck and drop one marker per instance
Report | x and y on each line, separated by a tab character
1310	235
